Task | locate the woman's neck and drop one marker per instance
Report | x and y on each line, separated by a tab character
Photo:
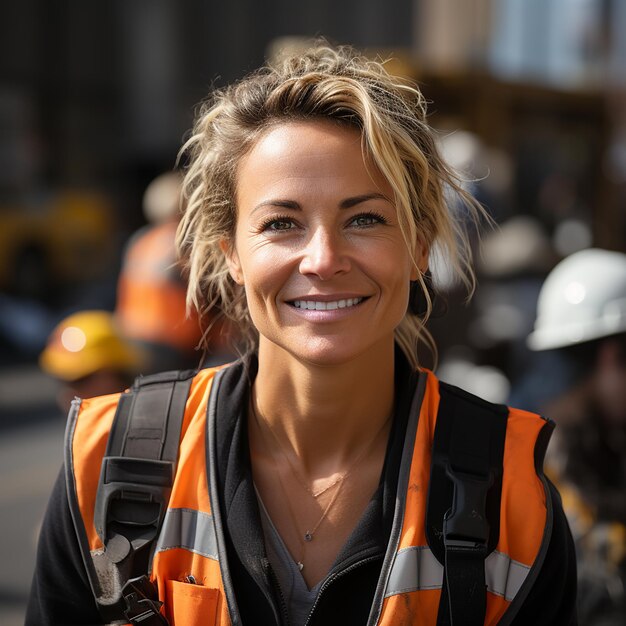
326	413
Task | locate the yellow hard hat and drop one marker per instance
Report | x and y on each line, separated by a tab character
85	343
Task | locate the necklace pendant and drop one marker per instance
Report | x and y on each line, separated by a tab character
308	536
300	565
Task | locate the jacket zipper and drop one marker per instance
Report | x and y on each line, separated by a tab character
283	604
332	578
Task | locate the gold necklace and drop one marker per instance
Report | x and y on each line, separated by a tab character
309	534
299	561
294	469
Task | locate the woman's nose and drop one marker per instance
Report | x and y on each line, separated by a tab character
325	255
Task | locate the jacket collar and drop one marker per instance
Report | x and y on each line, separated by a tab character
247	560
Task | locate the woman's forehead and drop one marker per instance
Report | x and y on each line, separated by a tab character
308	160
303	149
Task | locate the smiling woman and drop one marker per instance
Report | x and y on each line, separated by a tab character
325	477
387	117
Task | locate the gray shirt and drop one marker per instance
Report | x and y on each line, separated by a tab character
298	597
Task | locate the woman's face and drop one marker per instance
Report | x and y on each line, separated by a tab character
318	247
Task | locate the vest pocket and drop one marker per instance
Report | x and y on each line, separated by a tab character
188	605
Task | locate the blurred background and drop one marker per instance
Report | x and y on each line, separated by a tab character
529	97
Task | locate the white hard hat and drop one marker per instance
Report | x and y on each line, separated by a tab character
583	298
161	199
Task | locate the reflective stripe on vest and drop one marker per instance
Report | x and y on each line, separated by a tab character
414	568
417	568
190	530
411	578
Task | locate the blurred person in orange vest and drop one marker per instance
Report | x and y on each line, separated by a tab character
89	356
581	315
151	295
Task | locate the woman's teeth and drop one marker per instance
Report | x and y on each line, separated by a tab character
316	305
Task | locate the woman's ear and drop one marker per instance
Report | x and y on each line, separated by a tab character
232	260
421	254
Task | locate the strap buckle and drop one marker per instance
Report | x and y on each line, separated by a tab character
141	607
465	525
132	494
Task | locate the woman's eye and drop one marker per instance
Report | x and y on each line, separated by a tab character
279	224
368	219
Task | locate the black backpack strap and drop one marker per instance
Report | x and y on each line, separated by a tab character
463	513
135	483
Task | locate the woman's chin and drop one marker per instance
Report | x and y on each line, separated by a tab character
328	351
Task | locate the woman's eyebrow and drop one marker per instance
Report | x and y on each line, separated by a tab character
344	204
285	204
350	202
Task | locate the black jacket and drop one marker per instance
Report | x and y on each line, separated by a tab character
61	595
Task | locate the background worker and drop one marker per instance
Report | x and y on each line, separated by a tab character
582	317
87	353
151	293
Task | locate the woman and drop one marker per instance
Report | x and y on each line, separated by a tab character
315	195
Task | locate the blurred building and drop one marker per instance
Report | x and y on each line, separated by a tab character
97	97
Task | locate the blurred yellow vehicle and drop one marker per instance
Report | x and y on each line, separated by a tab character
54	240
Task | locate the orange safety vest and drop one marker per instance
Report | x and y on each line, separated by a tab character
188	543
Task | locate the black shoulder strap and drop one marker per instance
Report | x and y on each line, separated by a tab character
135	483
463	514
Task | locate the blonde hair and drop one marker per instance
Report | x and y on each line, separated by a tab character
331	84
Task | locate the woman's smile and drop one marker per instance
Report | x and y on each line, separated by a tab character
326	305
327	309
